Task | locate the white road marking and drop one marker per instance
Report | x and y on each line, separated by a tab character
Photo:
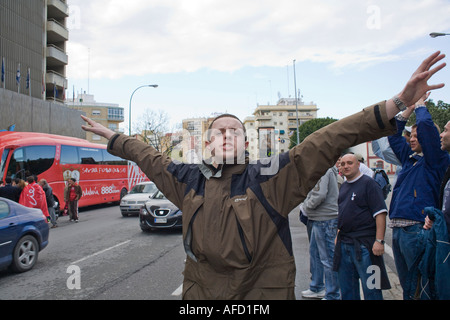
100	252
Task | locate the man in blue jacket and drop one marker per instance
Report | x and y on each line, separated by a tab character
417	187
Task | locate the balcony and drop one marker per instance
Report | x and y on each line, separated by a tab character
56	57
57	9
54	78
56	32
262	117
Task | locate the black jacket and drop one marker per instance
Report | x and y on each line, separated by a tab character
10	192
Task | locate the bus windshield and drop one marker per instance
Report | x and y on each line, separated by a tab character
32	160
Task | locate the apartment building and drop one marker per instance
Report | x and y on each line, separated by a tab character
33	36
276	124
109	115
193	145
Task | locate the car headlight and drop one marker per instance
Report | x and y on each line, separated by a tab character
123	202
143	211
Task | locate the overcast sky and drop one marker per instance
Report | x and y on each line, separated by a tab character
227	56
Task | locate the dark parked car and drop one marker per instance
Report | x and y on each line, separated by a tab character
159	212
23	233
133	201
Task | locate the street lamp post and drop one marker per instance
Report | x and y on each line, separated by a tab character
438	34
129	112
296	104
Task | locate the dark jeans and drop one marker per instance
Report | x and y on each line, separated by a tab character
405	242
351	270
73	209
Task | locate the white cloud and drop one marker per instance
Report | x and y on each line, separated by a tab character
140	36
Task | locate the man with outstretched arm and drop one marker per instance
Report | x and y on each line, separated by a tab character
235	213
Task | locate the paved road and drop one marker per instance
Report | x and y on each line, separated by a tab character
106	256
116	260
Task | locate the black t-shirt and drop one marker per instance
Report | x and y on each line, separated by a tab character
360	201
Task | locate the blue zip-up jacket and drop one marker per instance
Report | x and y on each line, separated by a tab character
418	183
434	261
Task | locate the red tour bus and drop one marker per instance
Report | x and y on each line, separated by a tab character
102	176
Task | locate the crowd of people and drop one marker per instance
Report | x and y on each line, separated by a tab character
357	217
235	213
34	193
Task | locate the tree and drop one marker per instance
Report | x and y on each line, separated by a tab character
152	127
309	127
440	113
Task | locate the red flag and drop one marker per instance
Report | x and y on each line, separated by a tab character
33	196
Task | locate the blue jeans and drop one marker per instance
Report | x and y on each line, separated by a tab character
321	251
405	248
351	270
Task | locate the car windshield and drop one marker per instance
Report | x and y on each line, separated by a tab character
159	195
144	188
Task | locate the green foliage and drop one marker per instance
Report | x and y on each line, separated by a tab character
440	113
309	127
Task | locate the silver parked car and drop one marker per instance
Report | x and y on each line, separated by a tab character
136	198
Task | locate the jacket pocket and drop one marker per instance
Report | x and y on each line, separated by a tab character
244	244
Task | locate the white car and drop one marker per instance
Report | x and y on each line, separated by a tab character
136	198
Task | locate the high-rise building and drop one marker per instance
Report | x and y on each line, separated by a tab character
33	36
277	123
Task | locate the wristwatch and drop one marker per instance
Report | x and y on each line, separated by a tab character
380	241
399	103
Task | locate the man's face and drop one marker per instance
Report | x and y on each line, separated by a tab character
350	166
414	142
227	143
445	138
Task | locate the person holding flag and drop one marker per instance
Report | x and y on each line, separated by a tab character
33	196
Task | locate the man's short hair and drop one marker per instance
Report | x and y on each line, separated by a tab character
225	115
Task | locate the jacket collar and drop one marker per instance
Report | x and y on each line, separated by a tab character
416	155
209	171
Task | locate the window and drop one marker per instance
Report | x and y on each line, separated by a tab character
3	161
32	160
96	112
109	159
69	155
115	113
90	155
144	188
4	209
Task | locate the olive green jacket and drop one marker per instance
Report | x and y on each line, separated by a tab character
235	220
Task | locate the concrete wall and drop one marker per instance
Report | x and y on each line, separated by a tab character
36	115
